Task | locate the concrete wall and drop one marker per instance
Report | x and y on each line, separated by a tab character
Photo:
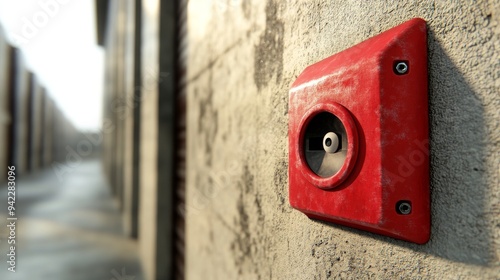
21	114
58	152
121	105
42	122
243	57
138	127
156	137
48	135
148	202
34	133
5	97
36	124
129	196
109	127
119	102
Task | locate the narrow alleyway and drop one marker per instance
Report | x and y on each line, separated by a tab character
69	229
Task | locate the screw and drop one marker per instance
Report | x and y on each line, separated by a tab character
404	208
401	68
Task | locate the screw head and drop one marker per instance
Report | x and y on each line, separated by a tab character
404	208
401	68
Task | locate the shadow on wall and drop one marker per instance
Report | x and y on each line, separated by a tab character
460	230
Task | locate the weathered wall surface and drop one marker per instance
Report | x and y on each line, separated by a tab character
243	57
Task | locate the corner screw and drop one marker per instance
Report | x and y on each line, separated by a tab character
404	208
401	68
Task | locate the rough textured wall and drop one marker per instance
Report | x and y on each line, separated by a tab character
243	57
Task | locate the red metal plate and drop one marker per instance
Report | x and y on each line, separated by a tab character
386	115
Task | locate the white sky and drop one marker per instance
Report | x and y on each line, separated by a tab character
59	43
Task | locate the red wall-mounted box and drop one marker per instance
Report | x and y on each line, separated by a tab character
373	172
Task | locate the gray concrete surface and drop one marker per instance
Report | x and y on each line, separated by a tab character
243	57
5	110
21	112
37	126
131	122
48	130
139	104
68	229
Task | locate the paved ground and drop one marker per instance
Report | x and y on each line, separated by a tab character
67	230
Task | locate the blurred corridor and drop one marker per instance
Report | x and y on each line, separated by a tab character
69	229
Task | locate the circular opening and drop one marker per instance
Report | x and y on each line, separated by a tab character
326	167
325	145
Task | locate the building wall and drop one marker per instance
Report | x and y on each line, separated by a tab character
5	110
36	124
109	126
130	191
33	131
149	145
148	202
156	137
48	135
58	151
21	112
122	102
243	57
119	104
138	125
122	118
43	128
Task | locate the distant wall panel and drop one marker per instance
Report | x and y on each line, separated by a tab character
21	115
41	152
5	110
48	134
130	190
36	124
29	121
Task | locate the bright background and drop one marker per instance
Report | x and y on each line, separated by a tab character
59	42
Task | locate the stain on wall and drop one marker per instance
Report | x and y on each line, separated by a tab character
269	52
